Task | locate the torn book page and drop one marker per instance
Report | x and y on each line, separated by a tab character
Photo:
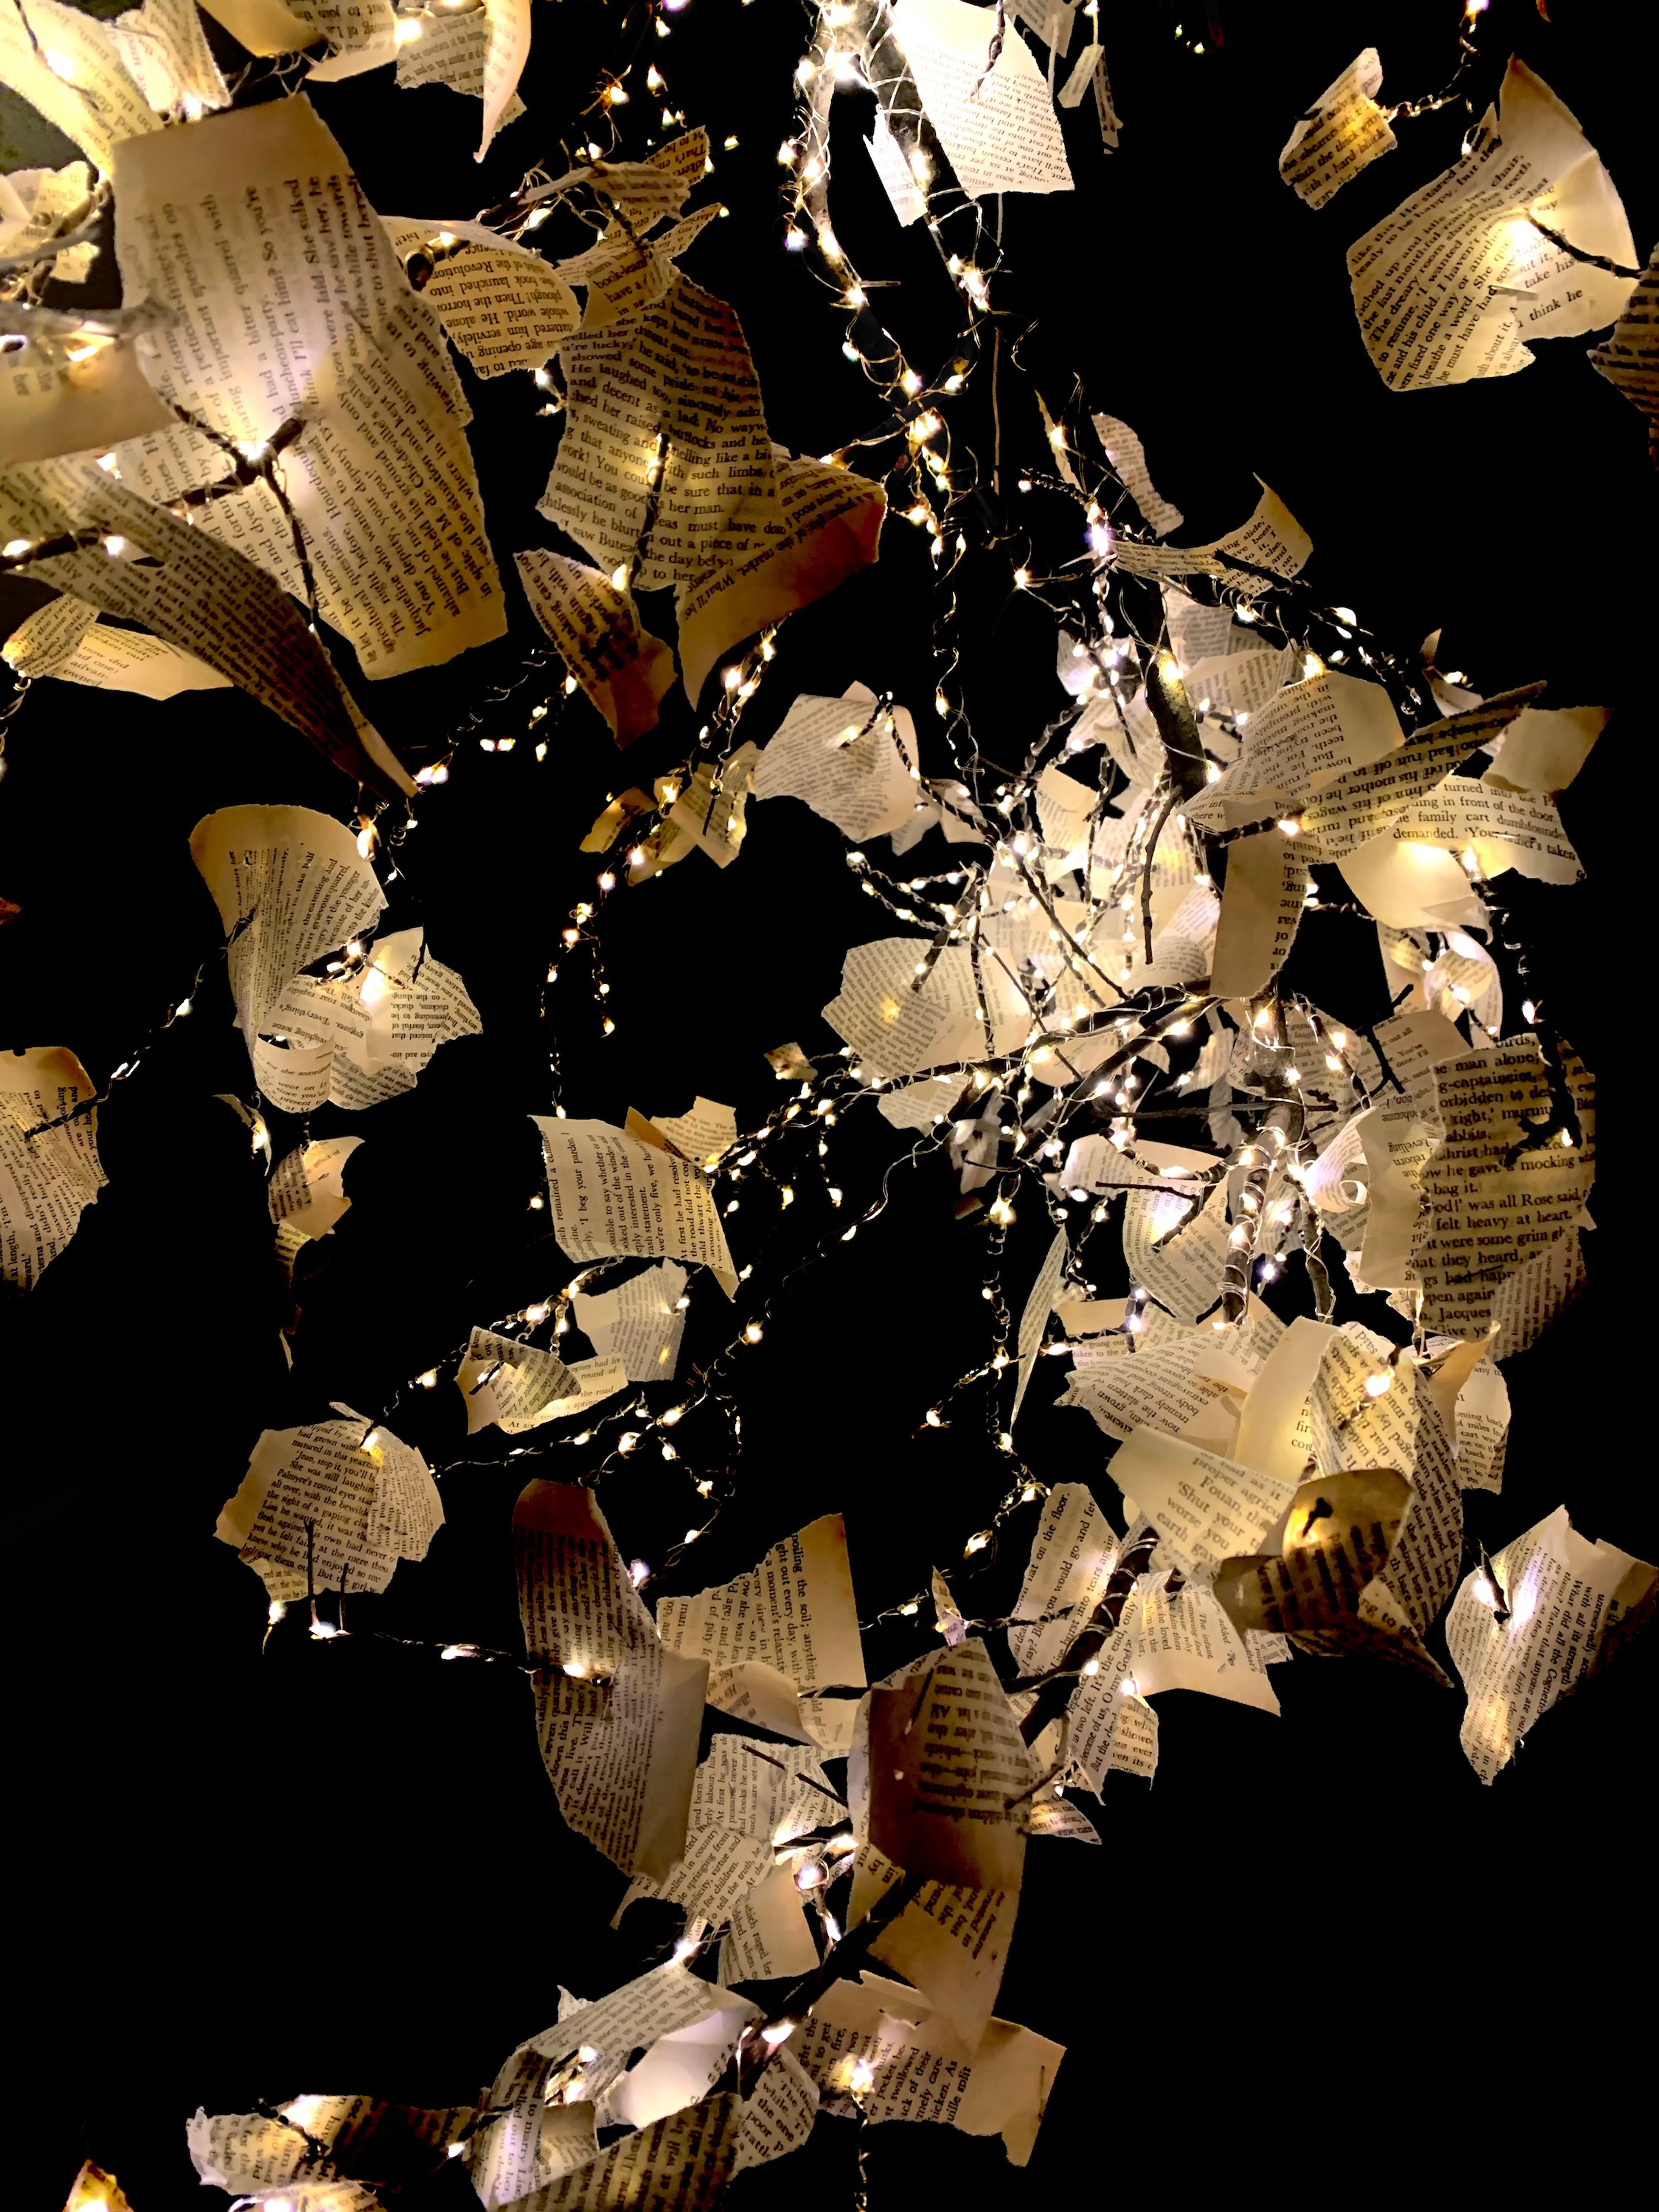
451	51
1456	283
178	583
665	439
1304	737
617	1714
1206	1509
380	480
64	63
613	1197
57	400
825	529
48	1177
640	1323
1365	800
1185	1641
360	1037
996	125
502	307
1544	748
1485	1214
40	205
168	58
1629	356
907	199
1261	904
952	1942
105	658
1343	132
1177	1249
306	1193
704	1135
330	1506
685	2160
298	881
793	1614
778	2115
1527	1635
1039	1305
848	759
506	1382
1073	1553
623	669
881	2040
949	1775
1273	540
1127	456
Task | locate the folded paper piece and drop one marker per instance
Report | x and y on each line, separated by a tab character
1343	133
65	639
1459	279
306	1193
502	307
360	1037
886	2043
1529	1632
323	2154
332	1505
783	1632
623	669
380	480
1629	356
295	885
1127	456
949	1775
508	1383
202	597
48	1176
617	1711
615	1197
704	1135
639	1324
65	63
1272	540
996	124
848	759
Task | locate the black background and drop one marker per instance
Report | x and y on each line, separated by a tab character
341	1868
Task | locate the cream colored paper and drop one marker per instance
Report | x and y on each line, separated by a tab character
48	1180
621	666
89	94
638	1323
949	1775
1176	1249
1206	1509
997	125
383	484
1261	904
1629	356
360	1038
793	1612
1457	281
613	1197
1344	132
1127	456
842	758
108	660
343	1500
504	1380
503	307
1563	1594
617	1714
825	530
704	1135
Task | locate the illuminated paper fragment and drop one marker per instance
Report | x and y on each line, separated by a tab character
591	1382
622	667
1528	1639
502	307
644	192
664	438
522	2147
1629	356
298	881
1518	829
91	95
362	1037
1544	748
1542	1288
770	1791
704	1135
263	27
1343	133
908	2065
1184	1389
47	1179
948	1773
1206	1509
613	1197
825	529
996	125
952	1942
907	199
1485	1215
617	1713
1185	1641
1034	1320
330	1506
1177	1249
103	658
381	479
51	404
793	1614
507	1381
199	596
37	205
1306	735
1262	904
1365	800
638	1324
1338	1532
686	2159
1272	539
1127	456
780	2115
843	759
307	1192
1073	1552
451	51
623	273
712	811
168	58
323	2152
94	2191
1458	280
